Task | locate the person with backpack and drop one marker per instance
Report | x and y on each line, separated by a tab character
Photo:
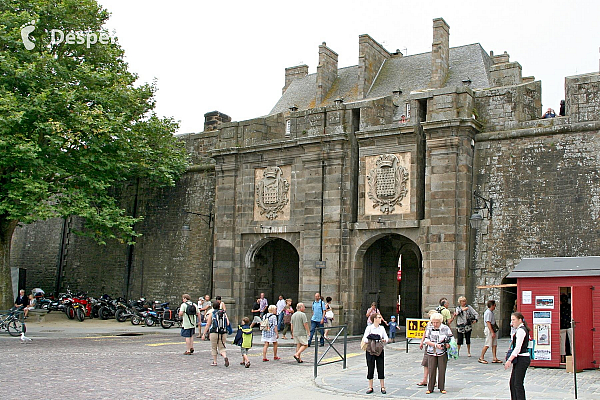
216	326
243	338
270	334
519	358
188	312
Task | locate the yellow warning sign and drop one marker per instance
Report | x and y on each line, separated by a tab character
415	328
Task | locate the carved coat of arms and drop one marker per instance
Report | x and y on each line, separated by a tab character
272	192
387	183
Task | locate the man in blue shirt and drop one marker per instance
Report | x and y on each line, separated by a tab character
318	308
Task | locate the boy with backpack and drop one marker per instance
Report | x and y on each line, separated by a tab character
216	325
188	312
243	338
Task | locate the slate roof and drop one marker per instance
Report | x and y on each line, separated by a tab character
556	267
408	73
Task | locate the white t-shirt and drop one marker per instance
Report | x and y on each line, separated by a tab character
280	306
380	330
489	316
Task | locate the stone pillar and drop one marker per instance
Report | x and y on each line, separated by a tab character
448	197
371	56
506	74
214	119
293	73
225	271
326	71
582	100
440	53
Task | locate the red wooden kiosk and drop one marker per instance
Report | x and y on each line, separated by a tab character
540	284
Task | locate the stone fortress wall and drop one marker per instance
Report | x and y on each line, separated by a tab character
542	175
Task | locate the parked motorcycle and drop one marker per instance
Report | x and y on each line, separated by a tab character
130	310
107	307
170	318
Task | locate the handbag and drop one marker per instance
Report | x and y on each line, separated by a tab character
453	350
363	345
329	314
287	319
495	327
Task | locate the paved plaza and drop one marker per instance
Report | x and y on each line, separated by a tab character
105	359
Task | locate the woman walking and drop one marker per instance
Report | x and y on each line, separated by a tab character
375	338
287	318
437	338
372	311
270	335
465	317
328	316
519	358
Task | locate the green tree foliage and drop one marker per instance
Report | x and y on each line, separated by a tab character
73	124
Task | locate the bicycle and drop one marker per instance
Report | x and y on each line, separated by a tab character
13	323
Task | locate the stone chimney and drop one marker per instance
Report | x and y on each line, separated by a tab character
326	72
214	119
504	72
293	73
440	53
371	56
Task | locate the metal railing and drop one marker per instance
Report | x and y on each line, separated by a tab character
343	329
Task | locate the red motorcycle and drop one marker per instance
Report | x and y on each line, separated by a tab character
80	307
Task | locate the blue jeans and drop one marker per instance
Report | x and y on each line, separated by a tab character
313	326
280	321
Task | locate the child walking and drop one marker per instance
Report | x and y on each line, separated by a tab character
243	338
392	324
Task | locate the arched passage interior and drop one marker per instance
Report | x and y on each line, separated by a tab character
275	270
381	262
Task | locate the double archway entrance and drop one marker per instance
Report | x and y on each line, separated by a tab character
274	269
382	257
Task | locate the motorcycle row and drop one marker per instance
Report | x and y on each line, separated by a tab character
80	306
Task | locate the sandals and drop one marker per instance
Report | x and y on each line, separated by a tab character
192	350
496	361
247	364
422	384
481	360
276	358
265	359
213	364
370	391
383	390
187	353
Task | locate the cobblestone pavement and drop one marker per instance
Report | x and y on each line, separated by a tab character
89	360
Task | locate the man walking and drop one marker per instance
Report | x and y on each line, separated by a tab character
490	331
280	307
300	331
316	321
188	326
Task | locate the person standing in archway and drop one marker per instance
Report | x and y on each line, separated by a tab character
264	303
317	319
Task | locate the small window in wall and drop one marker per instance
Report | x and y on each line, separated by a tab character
407	111
288	128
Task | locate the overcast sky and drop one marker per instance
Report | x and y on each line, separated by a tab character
230	56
